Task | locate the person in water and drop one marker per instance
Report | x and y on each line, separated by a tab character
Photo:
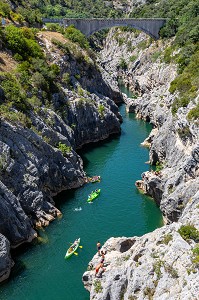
98	247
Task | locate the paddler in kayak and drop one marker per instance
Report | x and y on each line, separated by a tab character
72	247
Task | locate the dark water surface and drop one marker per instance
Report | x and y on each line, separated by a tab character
41	273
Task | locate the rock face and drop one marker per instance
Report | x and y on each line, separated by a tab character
174	140
158	265
39	159
5	260
127	6
161	264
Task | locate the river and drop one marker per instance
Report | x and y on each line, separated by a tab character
41	272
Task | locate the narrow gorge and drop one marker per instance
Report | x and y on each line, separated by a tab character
58	95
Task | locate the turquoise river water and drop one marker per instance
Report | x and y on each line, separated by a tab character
41	272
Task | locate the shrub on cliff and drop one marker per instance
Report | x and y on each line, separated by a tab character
123	64
4	9
64	149
189	232
186	83
17	41
13	92
76	36
194	113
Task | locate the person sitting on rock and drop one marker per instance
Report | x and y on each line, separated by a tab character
98	247
102	257
98	267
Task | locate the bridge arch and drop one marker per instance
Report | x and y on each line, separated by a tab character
119	25
90	26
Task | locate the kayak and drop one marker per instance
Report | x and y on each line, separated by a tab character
72	248
93	195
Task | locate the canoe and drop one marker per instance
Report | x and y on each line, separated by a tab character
72	248
93	195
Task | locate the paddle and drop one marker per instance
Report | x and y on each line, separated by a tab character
75	253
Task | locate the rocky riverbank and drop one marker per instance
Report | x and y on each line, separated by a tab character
38	157
162	264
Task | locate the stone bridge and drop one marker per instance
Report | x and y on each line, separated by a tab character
89	26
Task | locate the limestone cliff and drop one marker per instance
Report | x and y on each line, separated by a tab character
162	264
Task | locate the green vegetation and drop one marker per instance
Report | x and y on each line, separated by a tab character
155	56
184	133
142	45
13	92
66	78
132	58
32	11
97	286
80	91
7	113
64	149
76	36
168	268
183	22
159	166
31	84
127	257
123	64
72	48
189	232
193	113
157	268
6	12
167	238
149	292
3	161
41	78
195	258
21	41
101	110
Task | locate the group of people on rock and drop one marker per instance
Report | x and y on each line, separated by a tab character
99	269
92	179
